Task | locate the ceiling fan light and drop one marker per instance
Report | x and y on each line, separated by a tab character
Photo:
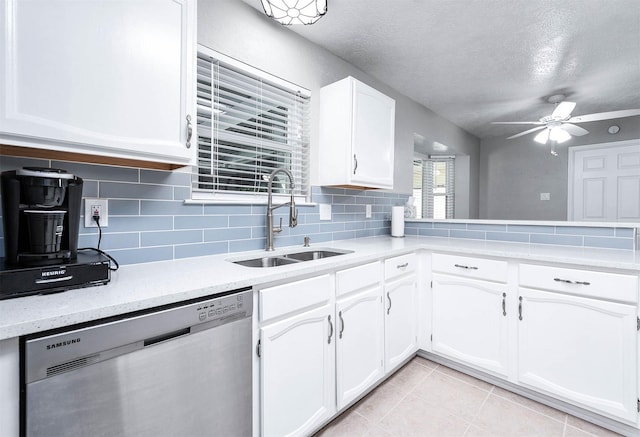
542	137
559	135
295	11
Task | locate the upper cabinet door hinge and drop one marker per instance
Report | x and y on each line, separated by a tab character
258	351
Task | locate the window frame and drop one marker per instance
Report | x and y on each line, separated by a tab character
202	195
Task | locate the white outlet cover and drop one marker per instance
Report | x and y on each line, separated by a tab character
103	204
368	211
545	196
325	211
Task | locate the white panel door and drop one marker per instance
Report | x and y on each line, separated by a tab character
101	77
373	136
605	184
401	327
469	322
297	373
580	349
360	344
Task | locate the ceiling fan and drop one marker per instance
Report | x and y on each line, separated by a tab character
560	125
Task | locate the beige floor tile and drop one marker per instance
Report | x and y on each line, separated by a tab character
348	424
414	417
502	417
475	431
455	395
426	363
464	377
410	376
570	431
379	402
589	427
536	406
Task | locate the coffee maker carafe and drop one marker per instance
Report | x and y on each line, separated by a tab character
41	216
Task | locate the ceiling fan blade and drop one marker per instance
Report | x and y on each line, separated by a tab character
574	130
604	115
542	137
526	132
563	110
517	122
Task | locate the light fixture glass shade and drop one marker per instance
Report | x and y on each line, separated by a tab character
559	135
542	137
295	11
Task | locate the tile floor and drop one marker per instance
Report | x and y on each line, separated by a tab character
426	399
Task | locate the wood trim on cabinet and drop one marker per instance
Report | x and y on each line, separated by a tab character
30	152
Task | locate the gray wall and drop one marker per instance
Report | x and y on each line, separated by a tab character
513	173
242	32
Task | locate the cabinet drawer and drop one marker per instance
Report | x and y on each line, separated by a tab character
610	286
358	277
295	296
479	268
400	265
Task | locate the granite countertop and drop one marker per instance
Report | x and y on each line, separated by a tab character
141	286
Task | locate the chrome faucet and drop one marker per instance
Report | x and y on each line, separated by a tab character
293	212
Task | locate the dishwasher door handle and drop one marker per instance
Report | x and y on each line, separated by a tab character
167	336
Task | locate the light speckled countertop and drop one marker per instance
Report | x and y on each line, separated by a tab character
141	286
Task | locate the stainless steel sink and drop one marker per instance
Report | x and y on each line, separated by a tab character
267	261
290	258
313	254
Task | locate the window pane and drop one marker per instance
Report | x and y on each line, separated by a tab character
247	127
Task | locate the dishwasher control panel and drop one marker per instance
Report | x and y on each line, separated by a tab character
222	307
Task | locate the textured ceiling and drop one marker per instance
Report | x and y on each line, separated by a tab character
477	61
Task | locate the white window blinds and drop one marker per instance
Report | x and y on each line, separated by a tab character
248	125
438	188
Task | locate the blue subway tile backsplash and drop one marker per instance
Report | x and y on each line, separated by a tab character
149	219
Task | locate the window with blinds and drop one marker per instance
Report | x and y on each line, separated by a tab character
434	187
248	124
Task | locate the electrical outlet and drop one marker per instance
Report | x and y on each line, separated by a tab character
96	207
545	196
325	211
367	213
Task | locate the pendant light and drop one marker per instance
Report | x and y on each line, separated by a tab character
295	11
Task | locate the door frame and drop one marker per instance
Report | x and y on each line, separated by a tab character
571	167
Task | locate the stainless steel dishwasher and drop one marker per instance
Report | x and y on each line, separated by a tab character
178	371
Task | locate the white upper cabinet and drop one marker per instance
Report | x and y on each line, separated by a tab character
110	78
356	138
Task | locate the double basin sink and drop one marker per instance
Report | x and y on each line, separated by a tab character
290	258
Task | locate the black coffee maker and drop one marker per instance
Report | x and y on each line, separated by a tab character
41	215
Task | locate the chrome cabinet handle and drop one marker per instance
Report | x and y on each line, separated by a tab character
504	304
389	299
520	308
355	163
402	266
341	323
460	266
567	281
330	332
189	131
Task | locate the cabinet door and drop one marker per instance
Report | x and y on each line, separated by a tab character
109	78
297	373
360	344
400	321
469	322
373	137
581	349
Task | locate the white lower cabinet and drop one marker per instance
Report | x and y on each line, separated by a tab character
297	356
469	322
360	344
469	311
580	349
400	325
297	373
